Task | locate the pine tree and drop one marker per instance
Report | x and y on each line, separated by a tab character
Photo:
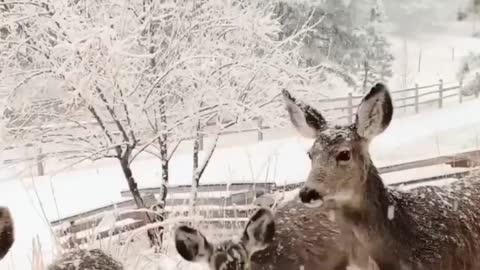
374	61
349	37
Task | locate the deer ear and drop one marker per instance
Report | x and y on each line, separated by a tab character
6	232
306	119
259	231
374	112
191	244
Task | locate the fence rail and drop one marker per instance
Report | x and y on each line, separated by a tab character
341	108
224	216
433	95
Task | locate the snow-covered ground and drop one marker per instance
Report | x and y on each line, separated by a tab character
441	55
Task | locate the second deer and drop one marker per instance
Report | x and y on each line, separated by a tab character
305	237
427	228
6	231
193	246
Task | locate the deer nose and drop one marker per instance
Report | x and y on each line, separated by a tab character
307	195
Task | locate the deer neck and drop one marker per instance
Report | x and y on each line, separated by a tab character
371	208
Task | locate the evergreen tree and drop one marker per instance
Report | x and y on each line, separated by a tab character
350	37
330	41
374	60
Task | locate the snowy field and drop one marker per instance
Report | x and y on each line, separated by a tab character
441	55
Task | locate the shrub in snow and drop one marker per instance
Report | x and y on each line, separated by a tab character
469	74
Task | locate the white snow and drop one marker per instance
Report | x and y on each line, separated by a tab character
441	52
391	212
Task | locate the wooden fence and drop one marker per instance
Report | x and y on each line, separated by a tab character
226	214
410	100
405	100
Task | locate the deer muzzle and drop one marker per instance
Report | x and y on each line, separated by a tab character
308	195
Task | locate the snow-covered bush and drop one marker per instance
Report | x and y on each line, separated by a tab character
469	74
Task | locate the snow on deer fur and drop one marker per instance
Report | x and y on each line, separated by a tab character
92	259
305	239
6	232
426	228
229	255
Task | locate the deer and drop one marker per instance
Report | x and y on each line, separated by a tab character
305	237
425	228
7	237
233	254
298	237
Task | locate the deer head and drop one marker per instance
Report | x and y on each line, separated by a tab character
339	155
193	246
6	231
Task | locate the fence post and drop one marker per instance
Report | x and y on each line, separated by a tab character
477	77
417	109
419	61
460	95
440	94
40	162
259	132
350	108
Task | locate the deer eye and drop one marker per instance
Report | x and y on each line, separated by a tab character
309	154
343	156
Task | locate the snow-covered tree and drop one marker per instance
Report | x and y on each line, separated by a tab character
142	76
329	39
347	37
469	74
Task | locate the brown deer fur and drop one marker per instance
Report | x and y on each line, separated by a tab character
428	228
305	237
6	231
82	259
233	254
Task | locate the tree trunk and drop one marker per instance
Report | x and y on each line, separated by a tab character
195	175
153	235
164	158
132	184
40	163
162	141
365	76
